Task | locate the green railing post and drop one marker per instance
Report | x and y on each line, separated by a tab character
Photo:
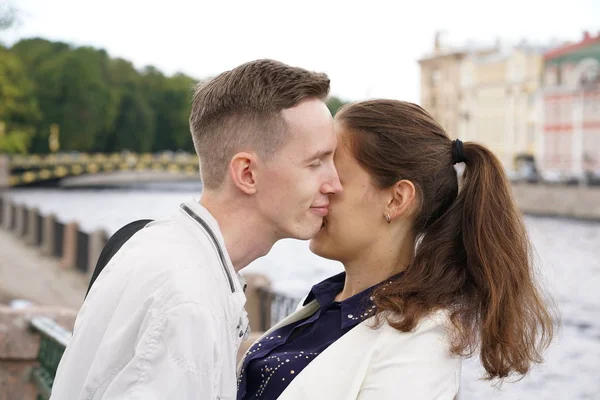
53	342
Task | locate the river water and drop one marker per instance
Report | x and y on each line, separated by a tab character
568	255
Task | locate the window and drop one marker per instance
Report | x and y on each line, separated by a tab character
531	138
436	76
466	76
590	75
591	107
515	71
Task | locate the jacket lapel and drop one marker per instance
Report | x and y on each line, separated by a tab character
300	313
338	372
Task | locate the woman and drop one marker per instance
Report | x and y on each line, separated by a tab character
432	273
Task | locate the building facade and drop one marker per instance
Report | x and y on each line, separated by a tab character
440	88
498	101
570	123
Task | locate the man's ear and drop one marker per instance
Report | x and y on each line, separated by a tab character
242	171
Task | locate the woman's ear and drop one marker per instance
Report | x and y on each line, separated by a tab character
401	200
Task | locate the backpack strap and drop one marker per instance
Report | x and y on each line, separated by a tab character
113	245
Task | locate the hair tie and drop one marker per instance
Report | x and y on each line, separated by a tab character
457	152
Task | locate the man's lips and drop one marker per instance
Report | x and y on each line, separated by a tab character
320	210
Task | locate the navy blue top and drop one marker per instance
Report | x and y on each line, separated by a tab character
273	362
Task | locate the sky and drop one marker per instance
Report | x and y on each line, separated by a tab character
369	48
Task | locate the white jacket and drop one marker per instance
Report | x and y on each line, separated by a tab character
164	319
378	364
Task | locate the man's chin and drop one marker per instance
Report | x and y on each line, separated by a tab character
306	230
308	233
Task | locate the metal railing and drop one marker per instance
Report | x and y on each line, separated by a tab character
274	307
24	170
53	342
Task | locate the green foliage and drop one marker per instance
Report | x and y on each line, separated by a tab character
334	104
19	110
98	103
15	142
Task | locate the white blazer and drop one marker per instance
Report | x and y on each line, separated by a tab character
378	364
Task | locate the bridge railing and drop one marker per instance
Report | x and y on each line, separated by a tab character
35	160
53	342
275	306
28	169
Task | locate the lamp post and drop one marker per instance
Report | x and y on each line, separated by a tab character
54	140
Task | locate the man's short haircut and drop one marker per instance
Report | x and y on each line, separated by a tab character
241	109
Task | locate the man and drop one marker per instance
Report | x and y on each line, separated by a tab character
165	318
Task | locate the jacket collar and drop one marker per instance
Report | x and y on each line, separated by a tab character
200	219
354	309
200	211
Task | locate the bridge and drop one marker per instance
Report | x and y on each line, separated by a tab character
17	171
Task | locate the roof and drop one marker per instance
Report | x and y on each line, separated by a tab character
565	50
469	48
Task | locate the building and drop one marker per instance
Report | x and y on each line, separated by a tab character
570	128
440	83
497	105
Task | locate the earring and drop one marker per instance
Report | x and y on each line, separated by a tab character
387	218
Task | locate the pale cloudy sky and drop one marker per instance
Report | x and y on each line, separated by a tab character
369	48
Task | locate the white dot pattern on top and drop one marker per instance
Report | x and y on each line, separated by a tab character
273	362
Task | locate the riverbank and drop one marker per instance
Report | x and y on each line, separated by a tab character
575	202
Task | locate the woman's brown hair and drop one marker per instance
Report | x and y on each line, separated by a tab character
473	256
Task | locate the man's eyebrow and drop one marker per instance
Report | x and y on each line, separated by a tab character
320	154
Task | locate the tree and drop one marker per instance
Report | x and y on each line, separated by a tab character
99	103
88	104
73	92
133	128
171	100
43	61
36	51
20	112
334	104
179	95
